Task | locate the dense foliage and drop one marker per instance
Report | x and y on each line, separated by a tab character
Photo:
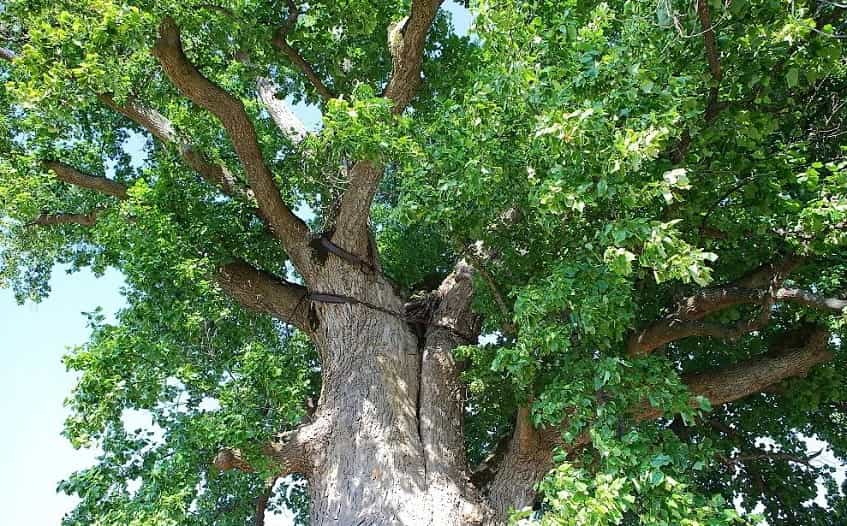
617	157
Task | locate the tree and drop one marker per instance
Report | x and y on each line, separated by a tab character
641	206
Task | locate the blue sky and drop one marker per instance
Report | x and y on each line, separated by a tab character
34	383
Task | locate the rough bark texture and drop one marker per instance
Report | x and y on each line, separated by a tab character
264	292
527	458
441	403
386	444
352	221
406	41
371	467
762	287
65	219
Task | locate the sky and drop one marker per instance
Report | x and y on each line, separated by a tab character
34	383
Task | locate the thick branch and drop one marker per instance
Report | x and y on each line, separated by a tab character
752	376
283	223
809	299
668	331
88	219
7	54
351	232
773	271
288	453
71	175
228	459
685	320
713	108
526	460
162	129
761	287
279	111
148	118
288	457
406	41
441	399
253	288
263	292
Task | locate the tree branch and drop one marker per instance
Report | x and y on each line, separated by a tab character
69	174
280	42
529	455
294	56
263	292
254	289
760	287
772	455
162	129
351	224
713	106
441	398
262	501
709	40
88	219
526	460
151	120
406	40
286	226
285	119
480	257
289	452
712	56
229	459
748	377
814	301
685	323
7	54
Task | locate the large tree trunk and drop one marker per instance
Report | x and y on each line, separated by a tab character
391	449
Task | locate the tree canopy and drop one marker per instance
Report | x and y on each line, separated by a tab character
652	195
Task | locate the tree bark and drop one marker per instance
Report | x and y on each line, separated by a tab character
386	457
